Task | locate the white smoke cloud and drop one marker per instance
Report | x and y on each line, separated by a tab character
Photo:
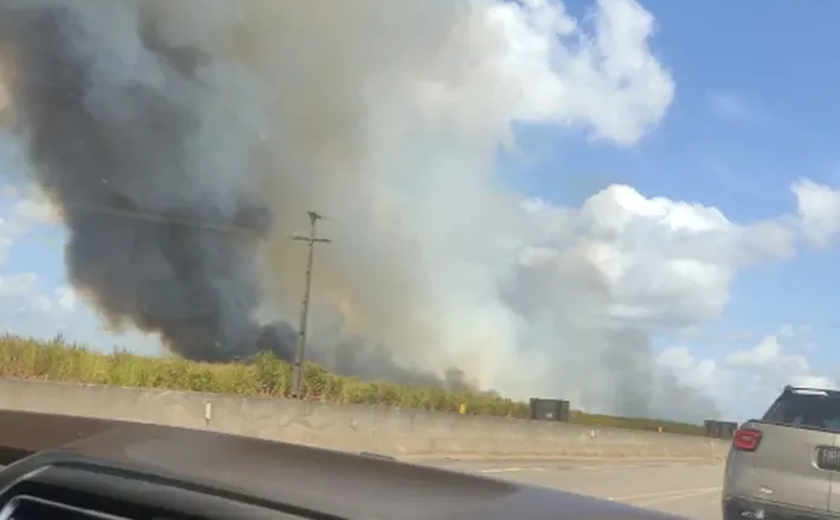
427	241
386	117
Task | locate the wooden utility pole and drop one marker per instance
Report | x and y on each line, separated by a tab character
300	344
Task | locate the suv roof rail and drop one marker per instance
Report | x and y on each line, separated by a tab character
810	390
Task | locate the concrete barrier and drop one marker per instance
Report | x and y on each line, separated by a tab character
386	430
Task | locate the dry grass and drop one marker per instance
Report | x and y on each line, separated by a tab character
266	377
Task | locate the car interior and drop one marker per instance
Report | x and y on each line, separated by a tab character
88	469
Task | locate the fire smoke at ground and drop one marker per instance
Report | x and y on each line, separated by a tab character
183	142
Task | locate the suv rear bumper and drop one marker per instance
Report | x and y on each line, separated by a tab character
736	508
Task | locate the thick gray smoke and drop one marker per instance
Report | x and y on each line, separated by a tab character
164	232
115	149
183	141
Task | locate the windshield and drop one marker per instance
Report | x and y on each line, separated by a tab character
806	410
628	209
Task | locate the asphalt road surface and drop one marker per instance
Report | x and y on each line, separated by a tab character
691	490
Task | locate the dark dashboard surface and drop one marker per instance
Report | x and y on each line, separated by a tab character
130	471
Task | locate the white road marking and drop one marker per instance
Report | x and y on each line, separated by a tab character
647	499
674	497
507	470
601	467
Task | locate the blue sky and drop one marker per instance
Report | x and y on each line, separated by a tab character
754	112
751	104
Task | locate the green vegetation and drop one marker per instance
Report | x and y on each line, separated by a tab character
265	377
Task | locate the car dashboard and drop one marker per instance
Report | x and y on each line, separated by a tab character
70	490
86	469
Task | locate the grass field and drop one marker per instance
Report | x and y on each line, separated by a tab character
266	376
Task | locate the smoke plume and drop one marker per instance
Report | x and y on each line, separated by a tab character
183	141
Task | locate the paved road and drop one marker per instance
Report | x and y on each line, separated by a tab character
691	490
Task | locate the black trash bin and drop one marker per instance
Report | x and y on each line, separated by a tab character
550	410
712	428
727	429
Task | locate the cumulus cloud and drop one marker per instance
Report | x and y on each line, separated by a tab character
818	210
776	365
671	263
751	377
609	81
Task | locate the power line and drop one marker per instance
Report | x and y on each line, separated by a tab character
157	218
300	344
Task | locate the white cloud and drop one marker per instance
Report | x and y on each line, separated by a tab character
818	208
24	303
776	365
609	80
746	381
34	209
648	263
667	263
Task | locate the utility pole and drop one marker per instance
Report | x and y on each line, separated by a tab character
300	344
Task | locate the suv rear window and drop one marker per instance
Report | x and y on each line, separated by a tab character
808	411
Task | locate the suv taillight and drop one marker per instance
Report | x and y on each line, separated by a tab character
746	439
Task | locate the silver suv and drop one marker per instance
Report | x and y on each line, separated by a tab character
787	465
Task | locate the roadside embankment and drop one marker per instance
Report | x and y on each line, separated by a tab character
399	432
